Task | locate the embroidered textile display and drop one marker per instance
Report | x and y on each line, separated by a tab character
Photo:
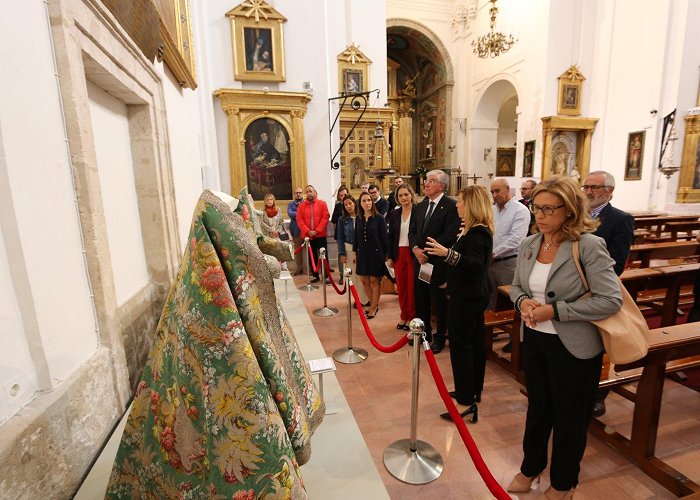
226	405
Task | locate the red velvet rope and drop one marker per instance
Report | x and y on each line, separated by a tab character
312	260
387	349
299	248
330	277
481	467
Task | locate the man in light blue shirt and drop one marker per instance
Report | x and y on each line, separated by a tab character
511	221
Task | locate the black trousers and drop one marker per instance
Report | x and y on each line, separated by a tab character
561	391
316	244
424	296
467	350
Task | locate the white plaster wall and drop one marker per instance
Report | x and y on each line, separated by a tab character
55	300
16	370
110	128
187	158
313	39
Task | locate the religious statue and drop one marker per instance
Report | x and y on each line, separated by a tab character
559	160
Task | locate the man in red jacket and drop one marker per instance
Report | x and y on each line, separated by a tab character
312	218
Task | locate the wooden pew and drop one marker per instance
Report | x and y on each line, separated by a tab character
655	224
681	230
671	348
671	280
647	252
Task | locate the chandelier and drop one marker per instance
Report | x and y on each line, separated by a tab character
494	43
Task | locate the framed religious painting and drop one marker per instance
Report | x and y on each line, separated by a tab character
258	43
570	86
566	146
634	156
505	162
353	71
529	159
689	182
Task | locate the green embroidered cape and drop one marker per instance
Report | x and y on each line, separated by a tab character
226	405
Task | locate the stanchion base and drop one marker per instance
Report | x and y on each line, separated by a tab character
326	311
350	355
413	467
307	288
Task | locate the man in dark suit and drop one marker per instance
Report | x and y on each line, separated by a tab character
616	228
526	192
436	216
380	202
392	196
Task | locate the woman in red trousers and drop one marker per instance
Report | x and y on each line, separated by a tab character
400	257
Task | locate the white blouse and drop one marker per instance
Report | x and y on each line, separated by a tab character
403	233
538	285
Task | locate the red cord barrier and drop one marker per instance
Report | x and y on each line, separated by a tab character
481	467
330	276
312	260
299	249
386	349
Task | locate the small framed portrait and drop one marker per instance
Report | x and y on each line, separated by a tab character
528	159
258	49
570	85
352	81
634	156
505	162
353	71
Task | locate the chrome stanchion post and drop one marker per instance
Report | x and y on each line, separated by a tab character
324	311
411	460
349	354
308	287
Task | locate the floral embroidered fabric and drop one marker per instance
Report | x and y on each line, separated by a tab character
226	405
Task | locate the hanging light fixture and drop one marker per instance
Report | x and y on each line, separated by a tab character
494	43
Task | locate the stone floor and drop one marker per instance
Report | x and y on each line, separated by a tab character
378	391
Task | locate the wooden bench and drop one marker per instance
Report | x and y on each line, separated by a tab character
671	348
655	224
644	253
681	230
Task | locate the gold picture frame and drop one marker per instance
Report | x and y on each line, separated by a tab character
178	49
569	97
689	182
353	70
258	42
577	159
278	168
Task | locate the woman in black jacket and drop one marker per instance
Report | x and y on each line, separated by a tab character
468	287
370	248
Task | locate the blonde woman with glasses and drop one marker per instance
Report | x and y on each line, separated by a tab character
562	350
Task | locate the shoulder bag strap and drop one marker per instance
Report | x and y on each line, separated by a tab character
577	261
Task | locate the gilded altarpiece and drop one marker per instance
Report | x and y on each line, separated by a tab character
689	183
267	149
566	146
358	156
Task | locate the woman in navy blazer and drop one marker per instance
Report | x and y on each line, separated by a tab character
562	351
469	287
370	247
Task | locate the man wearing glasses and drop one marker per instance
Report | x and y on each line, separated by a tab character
294	229
526	192
616	228
379	202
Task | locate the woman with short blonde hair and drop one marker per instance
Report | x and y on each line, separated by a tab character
561	349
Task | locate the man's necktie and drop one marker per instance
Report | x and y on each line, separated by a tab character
428	214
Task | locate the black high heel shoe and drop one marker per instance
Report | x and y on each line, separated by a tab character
473	410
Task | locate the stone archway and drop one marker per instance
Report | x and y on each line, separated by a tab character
493	126
421	78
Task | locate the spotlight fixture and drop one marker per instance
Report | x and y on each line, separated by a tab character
494	43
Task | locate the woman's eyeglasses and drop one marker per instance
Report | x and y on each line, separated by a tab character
547	209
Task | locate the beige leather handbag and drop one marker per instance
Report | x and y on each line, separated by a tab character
625	333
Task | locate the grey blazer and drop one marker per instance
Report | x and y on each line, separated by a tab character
564	287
